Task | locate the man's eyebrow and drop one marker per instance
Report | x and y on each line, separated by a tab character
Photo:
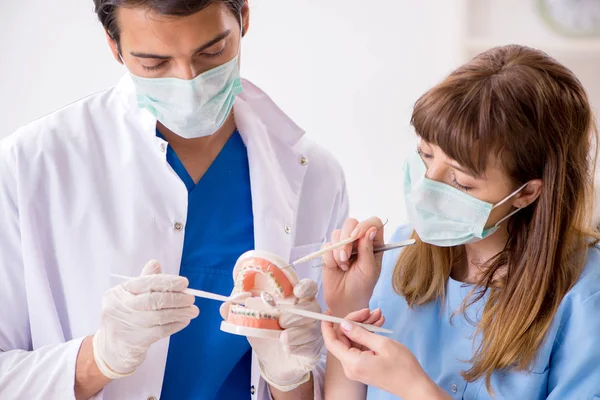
205	46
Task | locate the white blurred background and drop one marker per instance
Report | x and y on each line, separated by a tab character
348	71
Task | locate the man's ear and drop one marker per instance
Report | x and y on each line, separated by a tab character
114	47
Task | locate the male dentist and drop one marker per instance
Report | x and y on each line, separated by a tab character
182	162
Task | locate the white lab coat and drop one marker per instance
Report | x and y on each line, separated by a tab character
87	191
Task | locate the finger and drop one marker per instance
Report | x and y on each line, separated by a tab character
335	237
311	349
328	260
358	316
306	289
160	300
289	320
343	253
377	241
236	298
339	349
164	331
224	309
366	225
365	245
333	344
369	261
363	337
240	297
148	319
156	283
341	337
379	322
152	267
374	317
300	335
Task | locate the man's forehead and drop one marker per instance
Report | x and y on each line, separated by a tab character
215	17
141	26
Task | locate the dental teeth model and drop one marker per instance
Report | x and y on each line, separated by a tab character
256	272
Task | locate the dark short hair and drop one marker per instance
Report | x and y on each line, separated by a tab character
107	9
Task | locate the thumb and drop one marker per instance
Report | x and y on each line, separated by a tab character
238	298
306	289
224	310
152	267
362	336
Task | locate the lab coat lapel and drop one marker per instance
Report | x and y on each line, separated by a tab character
276	177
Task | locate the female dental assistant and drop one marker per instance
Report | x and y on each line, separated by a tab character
499	298
183	163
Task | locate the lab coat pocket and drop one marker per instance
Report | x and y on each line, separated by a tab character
310	269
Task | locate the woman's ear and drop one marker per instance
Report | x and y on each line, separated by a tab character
529	194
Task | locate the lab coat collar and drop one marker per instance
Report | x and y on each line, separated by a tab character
276	170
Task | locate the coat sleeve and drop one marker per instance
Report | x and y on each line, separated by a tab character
48	372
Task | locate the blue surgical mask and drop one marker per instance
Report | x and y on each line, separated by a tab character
192	108
442	215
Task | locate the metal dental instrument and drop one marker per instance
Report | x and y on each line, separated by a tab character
377	250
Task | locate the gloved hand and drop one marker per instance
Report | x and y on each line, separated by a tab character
137	314
287	363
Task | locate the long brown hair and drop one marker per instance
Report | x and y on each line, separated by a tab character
533	115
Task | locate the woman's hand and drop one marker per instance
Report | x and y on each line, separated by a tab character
348	285
378	361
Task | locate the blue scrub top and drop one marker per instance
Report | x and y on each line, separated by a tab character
567	365
204	363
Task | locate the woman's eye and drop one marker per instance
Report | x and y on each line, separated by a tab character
423	154
458	185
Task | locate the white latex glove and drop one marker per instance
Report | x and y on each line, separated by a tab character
287	363
137	314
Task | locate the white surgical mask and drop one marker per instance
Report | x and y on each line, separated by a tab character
445	216
192	108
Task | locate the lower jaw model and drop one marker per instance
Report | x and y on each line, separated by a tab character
256	272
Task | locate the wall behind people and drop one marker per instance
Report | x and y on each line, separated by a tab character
347	71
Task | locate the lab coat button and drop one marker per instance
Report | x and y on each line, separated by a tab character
454	388
163	147
287	229
303	161
152	398
178	226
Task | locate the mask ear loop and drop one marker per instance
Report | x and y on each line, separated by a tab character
497	224
504	201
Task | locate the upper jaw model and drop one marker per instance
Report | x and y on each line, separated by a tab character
256	272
